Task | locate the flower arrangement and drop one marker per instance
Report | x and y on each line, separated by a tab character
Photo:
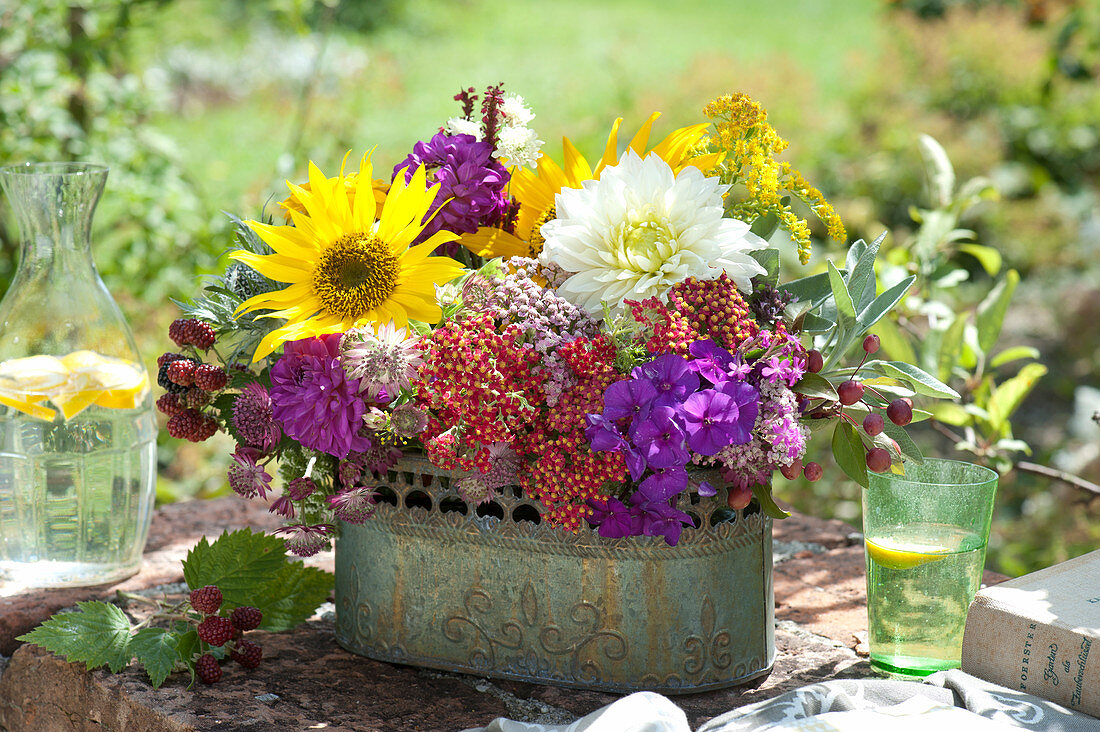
598	336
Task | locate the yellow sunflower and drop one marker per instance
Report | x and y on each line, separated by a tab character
347	260
351	183
535	191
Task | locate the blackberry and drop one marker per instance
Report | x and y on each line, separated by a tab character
193	425
216	630
195	398
206	600
170	404
246	617
199	334
175	332
208	669
167	357
182	371
209	377
167	384
247	653
245	282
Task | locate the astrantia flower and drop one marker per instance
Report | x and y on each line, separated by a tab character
475	489
247	478
303	540
314	400
283	506
408	421
349	263
354	505
640	229
253	417
385	358
470	183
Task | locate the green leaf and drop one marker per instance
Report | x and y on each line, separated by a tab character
292	596
939	173
908	447
951	345
1014	353
769	260
815	385
97	634
884	303
991	311
849	453
922	383
951	413
187	649
1007	397
765	226
156	650
763	494
895	344
813	289
239	563
840	292
988	257
861	280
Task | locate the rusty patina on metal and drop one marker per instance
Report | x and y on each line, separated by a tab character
424	583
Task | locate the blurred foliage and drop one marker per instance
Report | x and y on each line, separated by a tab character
69	91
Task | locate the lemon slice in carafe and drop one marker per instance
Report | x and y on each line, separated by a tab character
72	383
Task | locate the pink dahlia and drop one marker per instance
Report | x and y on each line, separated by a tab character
315	402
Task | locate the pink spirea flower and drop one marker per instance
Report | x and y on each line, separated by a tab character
314	400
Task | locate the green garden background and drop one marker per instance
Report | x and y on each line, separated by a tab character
202	107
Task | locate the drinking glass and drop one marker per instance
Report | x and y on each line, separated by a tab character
925	533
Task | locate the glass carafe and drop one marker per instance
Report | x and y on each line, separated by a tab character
77	429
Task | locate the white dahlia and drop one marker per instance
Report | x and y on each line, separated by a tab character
639	229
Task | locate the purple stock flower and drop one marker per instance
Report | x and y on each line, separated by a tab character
467	175
671	376
628	398
314	400
660	439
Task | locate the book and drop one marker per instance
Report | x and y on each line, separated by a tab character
1040	633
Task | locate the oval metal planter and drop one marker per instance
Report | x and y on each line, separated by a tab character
429	582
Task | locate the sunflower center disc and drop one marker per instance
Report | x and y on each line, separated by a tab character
355	274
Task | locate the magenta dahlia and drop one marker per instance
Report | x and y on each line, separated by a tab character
469	179
314	400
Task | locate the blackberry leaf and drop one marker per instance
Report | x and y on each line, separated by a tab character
96	634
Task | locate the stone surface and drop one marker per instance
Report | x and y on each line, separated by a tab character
307	682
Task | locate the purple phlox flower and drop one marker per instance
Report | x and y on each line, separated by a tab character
671	376
314	400
706	490
661	519
747	400
628	398
635	463
283	506
247	478
710	361
303	540
614	519
470	181
603	435
664	484
660	438
712	420
354	505
254	419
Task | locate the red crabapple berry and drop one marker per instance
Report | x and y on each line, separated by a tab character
871	343
813	472
792	471
900	412
739	498
878	459
814	361
208	669
873	424
850	392
206	600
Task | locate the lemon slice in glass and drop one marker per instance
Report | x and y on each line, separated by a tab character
897	554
